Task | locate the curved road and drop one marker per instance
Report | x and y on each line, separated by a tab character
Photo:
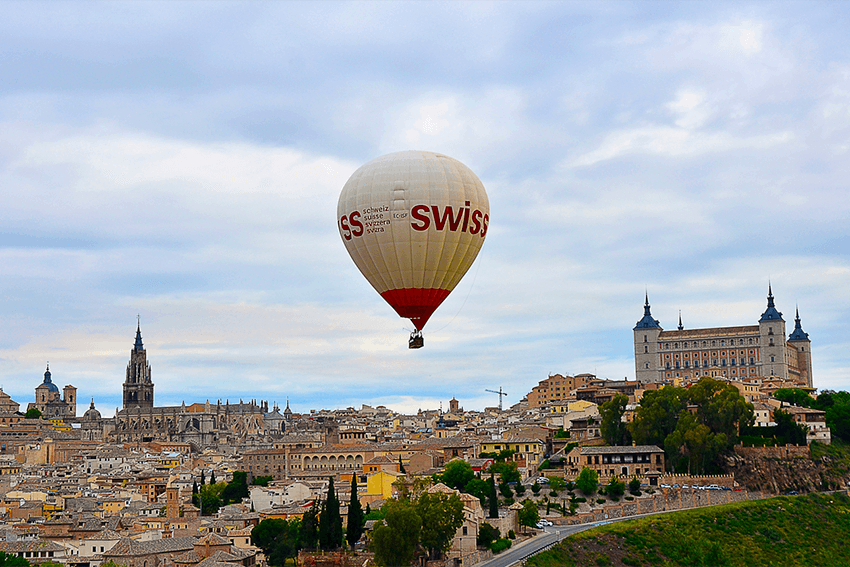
529	547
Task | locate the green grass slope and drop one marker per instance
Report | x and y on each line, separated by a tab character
811	529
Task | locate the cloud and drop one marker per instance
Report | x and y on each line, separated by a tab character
184	164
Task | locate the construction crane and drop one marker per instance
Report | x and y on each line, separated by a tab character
500	392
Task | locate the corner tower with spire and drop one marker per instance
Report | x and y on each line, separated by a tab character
138	387
772	340
646	333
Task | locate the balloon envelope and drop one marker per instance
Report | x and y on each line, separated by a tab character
413	222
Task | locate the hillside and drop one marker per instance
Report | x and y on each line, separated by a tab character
810	529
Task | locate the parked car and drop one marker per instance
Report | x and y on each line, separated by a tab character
542	480
665	486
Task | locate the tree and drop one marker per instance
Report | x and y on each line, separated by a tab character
401	466
692	446
478	488
528	515
394	540
493	499
203	482
310	527
587	481
692	441
788	428
615	488
330	521
487	534
634	486
209	498
612	427
505	490
657	415
795	397
442	517
556	483
212	477
277	538
262	480
507	471
236	489
535	488
33	413
356	517
457	474
12	560
562	434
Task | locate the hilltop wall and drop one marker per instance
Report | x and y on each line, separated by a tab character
666	500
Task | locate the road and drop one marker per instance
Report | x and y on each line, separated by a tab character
553	535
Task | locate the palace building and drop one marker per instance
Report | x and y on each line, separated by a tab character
733	353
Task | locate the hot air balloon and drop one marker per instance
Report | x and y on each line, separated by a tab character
413	222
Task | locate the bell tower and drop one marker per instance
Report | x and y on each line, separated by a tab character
138	387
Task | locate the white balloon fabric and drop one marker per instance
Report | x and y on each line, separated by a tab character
413	222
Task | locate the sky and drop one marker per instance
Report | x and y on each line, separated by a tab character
181	163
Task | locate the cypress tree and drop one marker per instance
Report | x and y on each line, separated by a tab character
493	498
212	477
203	482
330	521
356	517
309	525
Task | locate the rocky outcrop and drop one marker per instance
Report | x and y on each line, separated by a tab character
779	470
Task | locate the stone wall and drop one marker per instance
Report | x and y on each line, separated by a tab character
666	500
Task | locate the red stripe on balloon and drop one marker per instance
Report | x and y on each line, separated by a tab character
416	304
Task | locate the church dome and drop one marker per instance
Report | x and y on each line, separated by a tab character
91	414
47	382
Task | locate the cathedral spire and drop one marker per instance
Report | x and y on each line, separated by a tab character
680	321
138	345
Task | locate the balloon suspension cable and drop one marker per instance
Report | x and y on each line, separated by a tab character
468	293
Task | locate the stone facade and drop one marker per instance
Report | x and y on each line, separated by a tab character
731	353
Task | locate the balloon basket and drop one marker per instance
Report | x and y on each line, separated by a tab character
416	340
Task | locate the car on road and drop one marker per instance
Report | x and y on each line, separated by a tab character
542	480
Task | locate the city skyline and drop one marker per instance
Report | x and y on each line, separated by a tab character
182	162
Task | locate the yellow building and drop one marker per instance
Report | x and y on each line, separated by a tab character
527	452
379	486
169	462
112	506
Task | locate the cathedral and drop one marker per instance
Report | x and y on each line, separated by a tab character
200	425
733	353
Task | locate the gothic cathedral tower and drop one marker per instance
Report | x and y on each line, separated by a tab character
138	388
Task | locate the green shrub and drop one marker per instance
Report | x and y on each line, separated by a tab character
500	545
511	534
600	501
